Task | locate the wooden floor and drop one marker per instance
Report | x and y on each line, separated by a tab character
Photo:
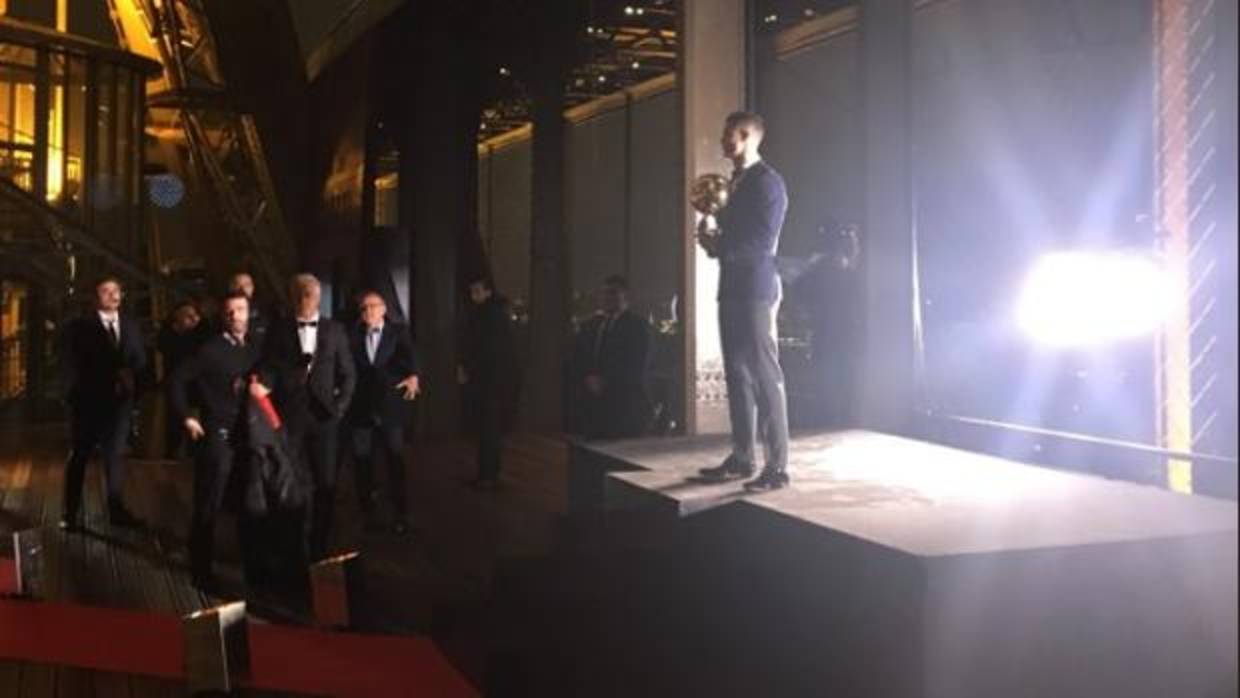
435	580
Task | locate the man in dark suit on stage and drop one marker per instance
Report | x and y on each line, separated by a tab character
104	354
214	381
307	365
612	352
744	239
387	382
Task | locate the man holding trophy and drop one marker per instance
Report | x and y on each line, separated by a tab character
740	226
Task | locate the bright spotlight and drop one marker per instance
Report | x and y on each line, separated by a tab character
1085	298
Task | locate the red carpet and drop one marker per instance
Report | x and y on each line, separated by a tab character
282	658
8	576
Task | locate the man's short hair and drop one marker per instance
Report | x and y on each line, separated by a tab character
105	278
618	282
750	121
234	295
301	281
366	293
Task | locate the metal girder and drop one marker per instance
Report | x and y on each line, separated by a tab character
223	141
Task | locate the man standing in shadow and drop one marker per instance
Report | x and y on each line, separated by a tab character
104	354
745	238
612	354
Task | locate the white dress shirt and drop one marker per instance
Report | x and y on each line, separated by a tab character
308	336
111	323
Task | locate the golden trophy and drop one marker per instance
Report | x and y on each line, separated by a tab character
708	195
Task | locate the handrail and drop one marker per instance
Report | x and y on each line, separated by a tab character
1088	439
57	223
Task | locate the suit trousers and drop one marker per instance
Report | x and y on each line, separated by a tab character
107	430
755	380
314	447
387	440
215	456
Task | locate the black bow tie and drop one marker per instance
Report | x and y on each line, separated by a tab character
307	323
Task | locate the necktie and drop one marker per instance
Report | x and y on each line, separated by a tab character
372	344
602	336
112	333
307	323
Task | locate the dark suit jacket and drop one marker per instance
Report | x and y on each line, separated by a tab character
214	379
750	225
620	356
93	366
489	356
377	400
324	394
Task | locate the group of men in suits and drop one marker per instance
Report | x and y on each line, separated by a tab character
323	380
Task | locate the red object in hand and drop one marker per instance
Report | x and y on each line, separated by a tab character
266	407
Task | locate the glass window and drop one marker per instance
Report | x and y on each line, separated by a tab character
74	137
57	76
124	139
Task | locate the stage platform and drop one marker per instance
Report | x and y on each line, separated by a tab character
902	568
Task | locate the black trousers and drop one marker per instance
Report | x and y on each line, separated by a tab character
490	437
215	456
755	380
389	441
107	430
314	447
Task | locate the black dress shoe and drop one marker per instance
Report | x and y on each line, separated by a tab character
118	515
731	469
768	481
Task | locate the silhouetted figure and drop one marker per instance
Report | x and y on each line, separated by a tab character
832	287
488	371
611	360
180	336
103	356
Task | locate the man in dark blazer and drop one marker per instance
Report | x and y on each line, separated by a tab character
613	350
489	373
307	365
745	239
103	355
387	382
208	393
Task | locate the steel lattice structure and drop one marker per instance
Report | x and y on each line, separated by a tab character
224	144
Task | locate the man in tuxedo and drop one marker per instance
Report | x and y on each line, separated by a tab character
612	350
387	381
744	239
104	355
208	393
243	282
307	365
